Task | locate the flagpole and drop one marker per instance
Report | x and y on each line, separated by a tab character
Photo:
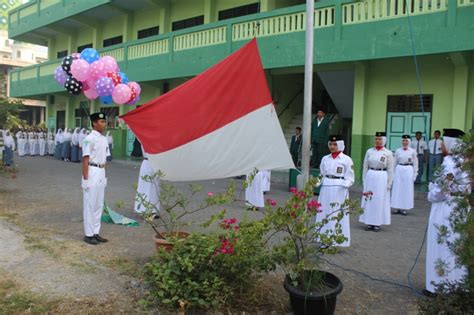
308	90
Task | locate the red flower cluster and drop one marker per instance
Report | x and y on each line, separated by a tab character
367	194
228	224
271	202
293	190
313	205
227	247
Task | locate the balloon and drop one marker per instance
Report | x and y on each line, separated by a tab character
136	86
124	78
60	76
76	55
134	101
115	77
104	86
97	70
66	64
121	94
106	100
90	55
80	69
110	64
91	94
89	84
73	86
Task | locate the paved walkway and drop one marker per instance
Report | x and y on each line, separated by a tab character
47	195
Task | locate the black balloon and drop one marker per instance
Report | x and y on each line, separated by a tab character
73	86
66	64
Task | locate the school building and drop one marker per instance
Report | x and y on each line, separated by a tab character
365	75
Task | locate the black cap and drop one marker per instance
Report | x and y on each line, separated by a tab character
453	133
335	138
406	137
380	134
97	116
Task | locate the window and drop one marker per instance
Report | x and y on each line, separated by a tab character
409	103
113	41
82	115
152	31
62	54
194	21
81	48
239	11
112	114
18	54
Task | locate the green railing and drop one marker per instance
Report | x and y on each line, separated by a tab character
273	23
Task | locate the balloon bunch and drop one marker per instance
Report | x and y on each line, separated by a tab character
96	77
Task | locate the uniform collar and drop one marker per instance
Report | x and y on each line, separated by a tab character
96	132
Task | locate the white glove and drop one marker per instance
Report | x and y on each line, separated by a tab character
85	184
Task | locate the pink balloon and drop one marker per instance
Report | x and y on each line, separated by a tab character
80	70
110	64
135	85
76	55
88	84
121	94
97	70
91	94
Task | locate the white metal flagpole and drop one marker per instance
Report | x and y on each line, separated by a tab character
308	90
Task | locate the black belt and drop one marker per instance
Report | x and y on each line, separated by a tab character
334	177
145	158
97	165
378	169
457	194
406	164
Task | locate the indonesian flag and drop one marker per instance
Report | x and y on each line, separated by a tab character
219	124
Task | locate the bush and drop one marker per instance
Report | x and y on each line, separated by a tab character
452	298
211	270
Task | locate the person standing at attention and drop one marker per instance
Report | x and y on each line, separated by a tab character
436	155
421	150
319	138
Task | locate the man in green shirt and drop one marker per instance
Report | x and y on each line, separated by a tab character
319	138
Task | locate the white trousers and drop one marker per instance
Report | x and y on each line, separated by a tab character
21	147
93	198
42	147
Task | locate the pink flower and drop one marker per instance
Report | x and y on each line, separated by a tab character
301	195
295	206
313	205
271	202
210	194
293	190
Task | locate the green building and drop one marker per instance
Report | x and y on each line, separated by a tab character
365	74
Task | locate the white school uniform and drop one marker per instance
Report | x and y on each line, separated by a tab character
406	170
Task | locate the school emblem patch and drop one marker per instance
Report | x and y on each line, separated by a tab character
409	160
382	158
339	170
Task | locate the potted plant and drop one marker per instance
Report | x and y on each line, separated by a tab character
175	206
302	245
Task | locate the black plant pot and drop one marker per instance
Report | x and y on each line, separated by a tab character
314	302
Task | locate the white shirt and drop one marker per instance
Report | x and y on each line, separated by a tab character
319	121
96	147
419	145
379	159
435	149
341	166
407	156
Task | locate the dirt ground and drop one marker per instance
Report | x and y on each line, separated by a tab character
43	258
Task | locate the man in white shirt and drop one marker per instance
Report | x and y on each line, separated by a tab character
436	155
421	150
95	150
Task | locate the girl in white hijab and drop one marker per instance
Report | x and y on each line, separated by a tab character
50	142
110	140
66	149
59	144
9	144
75	146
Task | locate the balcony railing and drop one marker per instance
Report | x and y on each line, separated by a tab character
267	24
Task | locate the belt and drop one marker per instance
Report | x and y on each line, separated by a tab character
378	169
406	164
334	177
457	194
145	158
97	165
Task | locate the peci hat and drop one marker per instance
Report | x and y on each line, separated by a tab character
406	137
380	134
453	133
335	138
97	116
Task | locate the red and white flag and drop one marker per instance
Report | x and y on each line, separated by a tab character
219	124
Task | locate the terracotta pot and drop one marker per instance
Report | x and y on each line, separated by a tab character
167	245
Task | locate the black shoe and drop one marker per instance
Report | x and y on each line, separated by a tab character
90	240
376	229
404	213
396	212
369	228
428	293
100	239
155	216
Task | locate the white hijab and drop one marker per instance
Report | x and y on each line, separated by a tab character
8	139
451	143
60	136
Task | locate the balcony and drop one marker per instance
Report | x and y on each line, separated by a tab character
344	31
